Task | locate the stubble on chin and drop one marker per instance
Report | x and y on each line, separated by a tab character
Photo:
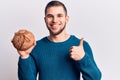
56	33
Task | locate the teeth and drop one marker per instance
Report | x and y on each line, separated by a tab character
55	25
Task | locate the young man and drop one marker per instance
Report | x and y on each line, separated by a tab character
59	56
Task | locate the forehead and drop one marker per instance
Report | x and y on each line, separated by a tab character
55	10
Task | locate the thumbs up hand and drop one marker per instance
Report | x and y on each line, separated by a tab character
77	52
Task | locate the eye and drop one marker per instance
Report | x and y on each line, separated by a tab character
60	15
49	16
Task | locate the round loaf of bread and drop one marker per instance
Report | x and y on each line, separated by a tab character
23	40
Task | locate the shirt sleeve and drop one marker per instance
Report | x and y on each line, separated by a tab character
27	69
87	65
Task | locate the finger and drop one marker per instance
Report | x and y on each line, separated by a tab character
81	42
72	47
72	56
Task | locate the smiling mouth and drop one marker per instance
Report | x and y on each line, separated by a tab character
55	26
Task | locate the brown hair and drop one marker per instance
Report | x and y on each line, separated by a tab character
55	3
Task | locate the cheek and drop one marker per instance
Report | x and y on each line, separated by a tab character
47	21
63	20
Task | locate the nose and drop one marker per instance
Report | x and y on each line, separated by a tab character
55	19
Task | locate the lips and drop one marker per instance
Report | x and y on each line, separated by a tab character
54	26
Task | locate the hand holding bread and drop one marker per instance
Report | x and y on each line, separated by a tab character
23	41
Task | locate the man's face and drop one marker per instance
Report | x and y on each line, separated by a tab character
56	20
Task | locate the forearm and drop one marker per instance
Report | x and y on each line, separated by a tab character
88	68
27	69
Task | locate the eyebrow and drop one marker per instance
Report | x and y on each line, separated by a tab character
57	14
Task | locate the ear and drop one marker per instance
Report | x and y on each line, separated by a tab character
67	19
45	19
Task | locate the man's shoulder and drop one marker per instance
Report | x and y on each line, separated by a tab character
42	39
77	39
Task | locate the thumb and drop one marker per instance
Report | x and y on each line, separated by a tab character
81	42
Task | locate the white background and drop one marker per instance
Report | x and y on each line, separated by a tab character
98	21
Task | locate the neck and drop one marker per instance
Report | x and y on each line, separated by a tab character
59	38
